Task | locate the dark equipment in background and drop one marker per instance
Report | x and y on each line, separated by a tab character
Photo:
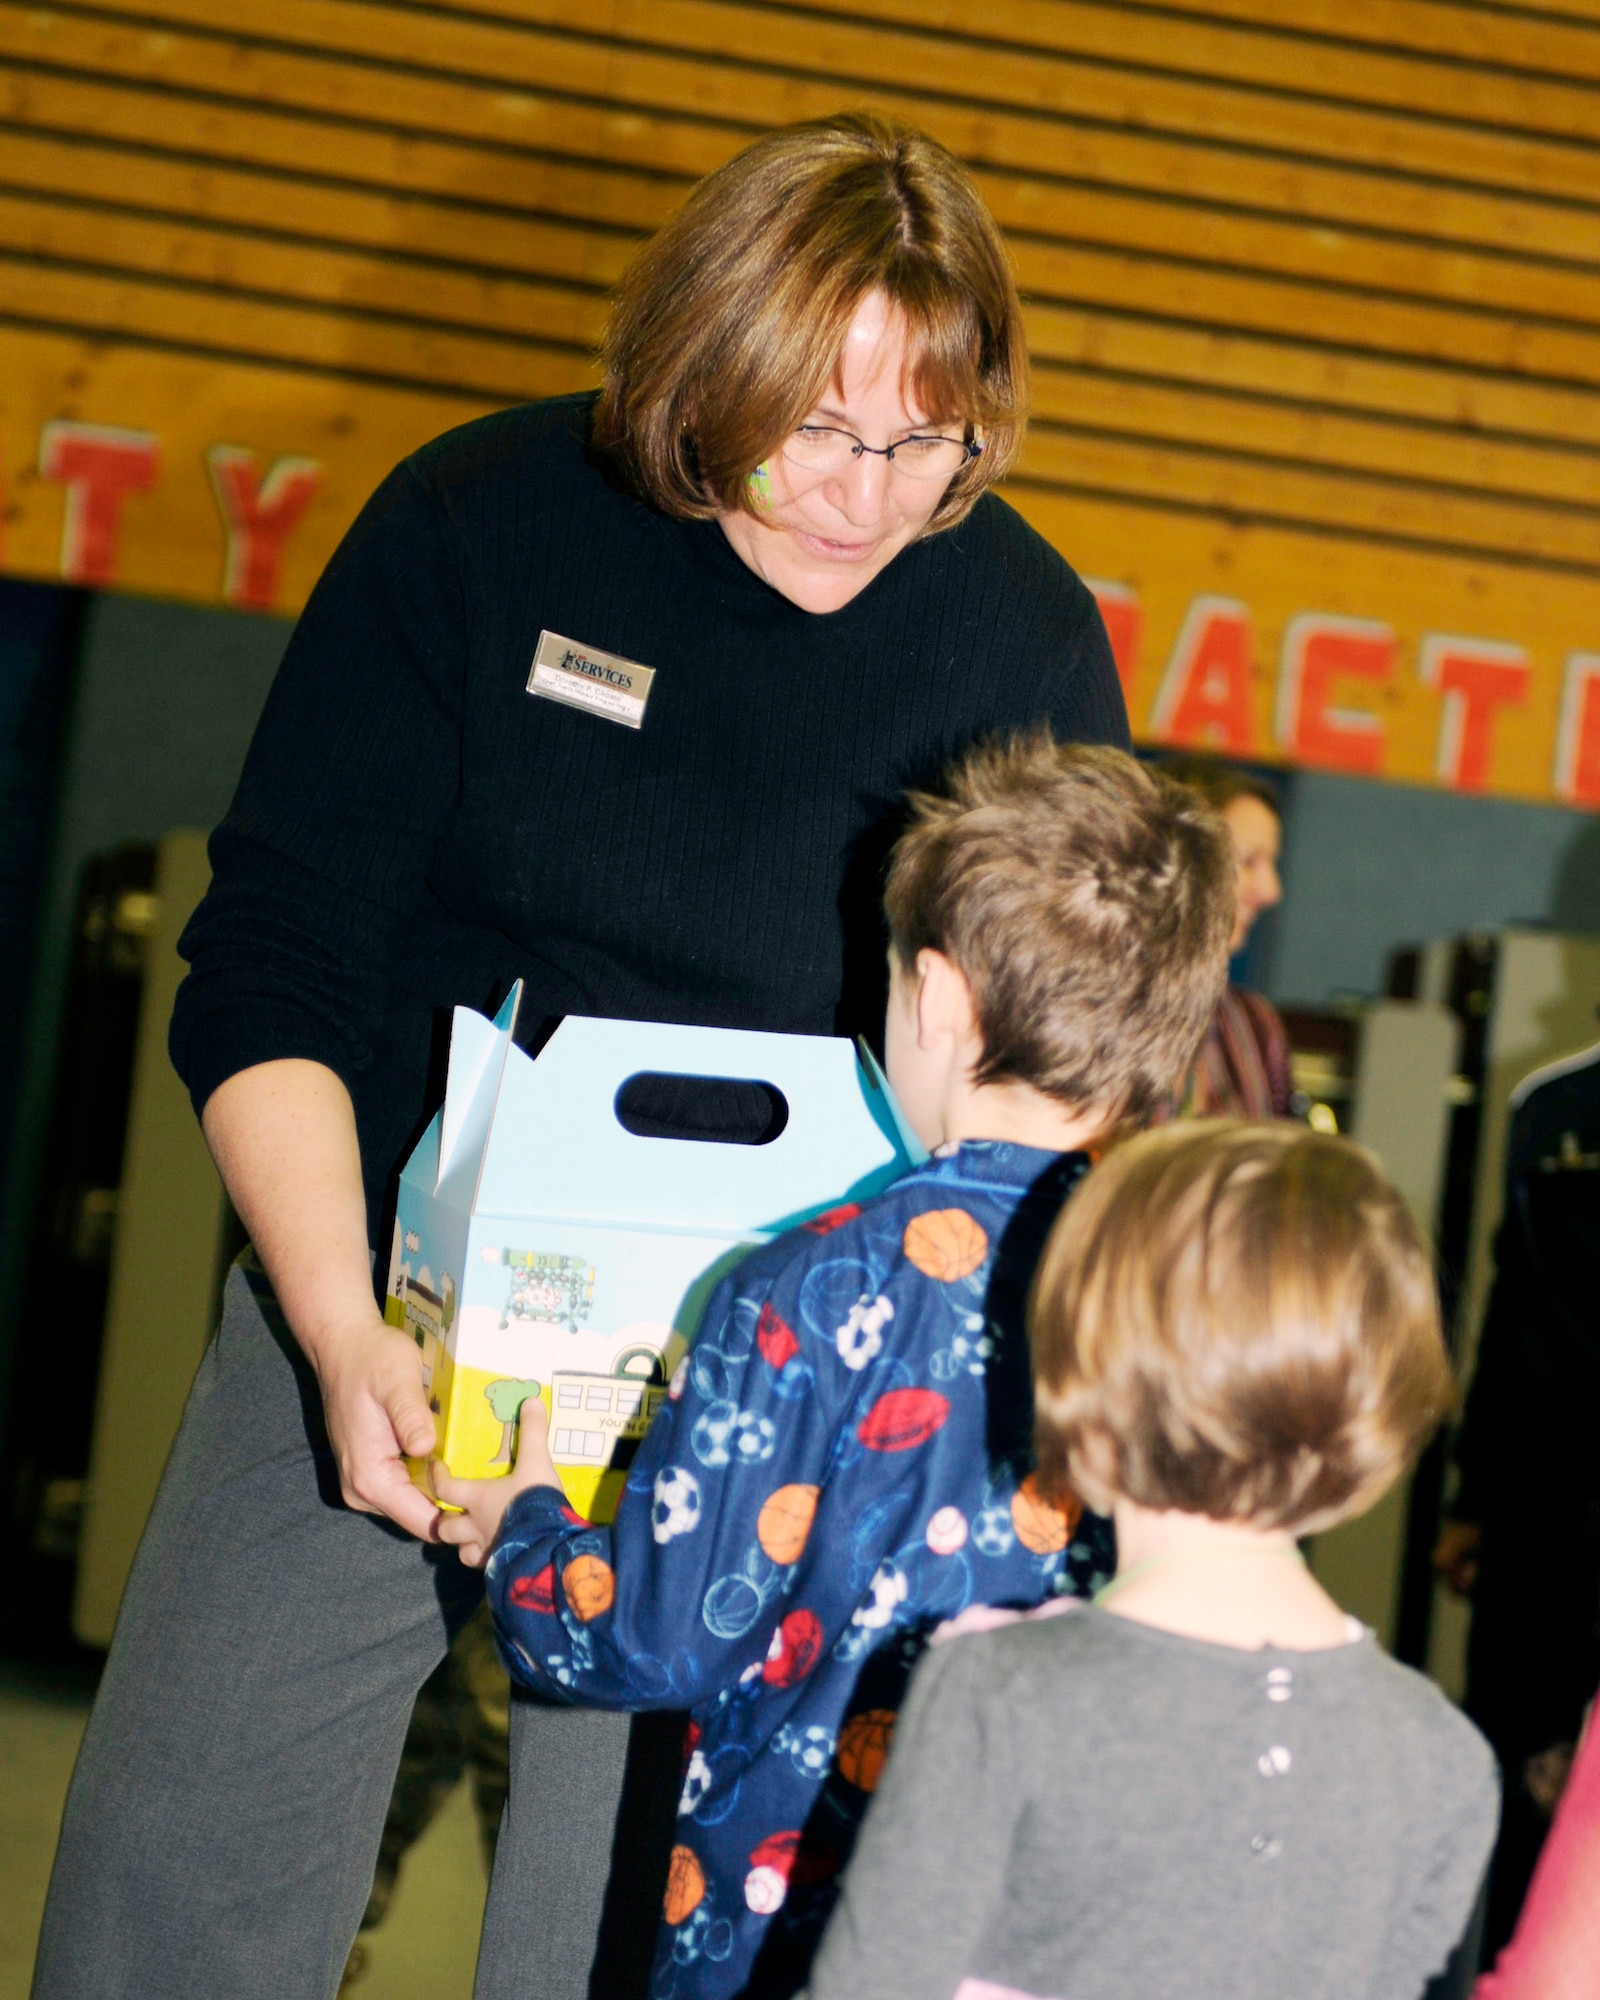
62	1321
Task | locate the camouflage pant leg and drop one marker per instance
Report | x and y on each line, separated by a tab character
489	1724
461	1722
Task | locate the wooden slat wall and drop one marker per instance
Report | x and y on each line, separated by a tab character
1313	285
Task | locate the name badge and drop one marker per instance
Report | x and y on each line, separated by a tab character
584	677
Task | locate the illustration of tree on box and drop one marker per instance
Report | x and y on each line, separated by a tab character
506	1398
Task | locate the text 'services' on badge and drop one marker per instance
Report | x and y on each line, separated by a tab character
584	677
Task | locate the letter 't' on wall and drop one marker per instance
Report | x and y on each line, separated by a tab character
259	511
100	466
1205	695
1319	652
1577	771
1477	677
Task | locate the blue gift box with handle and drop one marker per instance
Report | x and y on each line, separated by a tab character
548	1241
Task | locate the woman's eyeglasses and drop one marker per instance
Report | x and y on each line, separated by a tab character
821	448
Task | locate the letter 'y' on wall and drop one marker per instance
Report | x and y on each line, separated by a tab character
259	511
1477	677
1205	695
99	466
1318	651
1577	771
1123	618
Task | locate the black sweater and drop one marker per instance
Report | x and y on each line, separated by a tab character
414	830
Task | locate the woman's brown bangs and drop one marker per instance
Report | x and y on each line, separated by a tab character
943	380
944	367
959	370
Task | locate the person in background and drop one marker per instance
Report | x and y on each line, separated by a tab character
1522	1533
1242	1067
1209	1781
1554	1954
616	695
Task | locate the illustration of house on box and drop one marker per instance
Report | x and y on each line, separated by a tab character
544	1246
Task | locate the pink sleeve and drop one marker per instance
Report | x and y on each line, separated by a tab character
990	1617
1555	1954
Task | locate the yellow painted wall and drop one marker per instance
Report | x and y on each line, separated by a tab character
1313	291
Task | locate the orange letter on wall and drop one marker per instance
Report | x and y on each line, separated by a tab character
1124	623
259	512
1476	677
1205	692
1317	650
99	466
1577	772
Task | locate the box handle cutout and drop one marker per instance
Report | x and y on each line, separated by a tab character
721	1110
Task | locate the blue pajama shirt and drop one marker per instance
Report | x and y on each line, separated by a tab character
842	1463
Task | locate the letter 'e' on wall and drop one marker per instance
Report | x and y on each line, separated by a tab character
1319	652
1205	699
1477	678
1577	765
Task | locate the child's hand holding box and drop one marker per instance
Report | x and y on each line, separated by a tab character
481	1503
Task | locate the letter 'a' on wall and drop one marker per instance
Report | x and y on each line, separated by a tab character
1205	699
1322	655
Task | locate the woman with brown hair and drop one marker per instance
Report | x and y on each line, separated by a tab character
613	695
1242	1067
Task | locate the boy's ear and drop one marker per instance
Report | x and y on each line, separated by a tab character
944	1000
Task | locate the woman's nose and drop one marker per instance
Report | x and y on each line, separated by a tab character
862	488
1268	888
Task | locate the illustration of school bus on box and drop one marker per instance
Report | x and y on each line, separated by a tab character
586	1250
549	1288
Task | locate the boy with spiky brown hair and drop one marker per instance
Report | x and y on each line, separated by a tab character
845	1458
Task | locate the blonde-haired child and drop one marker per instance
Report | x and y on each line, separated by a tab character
1210	1782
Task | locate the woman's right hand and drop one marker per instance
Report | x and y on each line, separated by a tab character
283	1135
376	1410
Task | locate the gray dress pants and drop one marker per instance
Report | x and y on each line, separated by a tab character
224	1816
